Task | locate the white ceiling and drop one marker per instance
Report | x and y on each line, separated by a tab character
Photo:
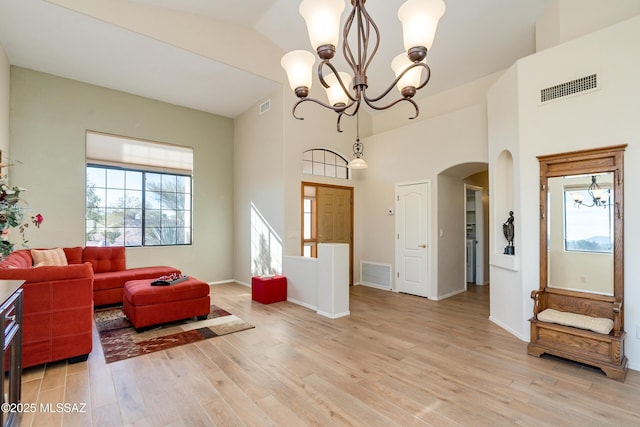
133	46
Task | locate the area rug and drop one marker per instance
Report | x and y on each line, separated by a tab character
121	341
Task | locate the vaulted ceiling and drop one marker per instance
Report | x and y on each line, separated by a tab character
223	56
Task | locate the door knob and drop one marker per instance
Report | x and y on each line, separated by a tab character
422	245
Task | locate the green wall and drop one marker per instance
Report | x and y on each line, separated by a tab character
48	120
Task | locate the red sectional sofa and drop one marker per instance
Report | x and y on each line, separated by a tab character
58	301
57	307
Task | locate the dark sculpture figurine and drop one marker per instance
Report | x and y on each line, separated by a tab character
509	232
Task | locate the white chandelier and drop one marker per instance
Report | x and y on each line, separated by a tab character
347	91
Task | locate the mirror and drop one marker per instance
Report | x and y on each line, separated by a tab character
581	227
580	240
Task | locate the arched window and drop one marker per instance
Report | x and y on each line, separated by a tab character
323	162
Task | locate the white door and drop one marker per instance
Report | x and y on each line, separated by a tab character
412	238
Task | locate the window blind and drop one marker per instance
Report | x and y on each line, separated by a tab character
122	151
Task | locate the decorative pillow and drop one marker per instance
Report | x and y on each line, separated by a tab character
42	257
596	324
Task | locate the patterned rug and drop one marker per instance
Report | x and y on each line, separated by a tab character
121	341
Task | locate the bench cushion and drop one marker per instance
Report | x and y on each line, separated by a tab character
596	324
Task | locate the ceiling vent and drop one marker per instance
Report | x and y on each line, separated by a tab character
265	106
573	87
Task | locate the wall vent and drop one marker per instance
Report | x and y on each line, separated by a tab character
265	106
583	84
375	274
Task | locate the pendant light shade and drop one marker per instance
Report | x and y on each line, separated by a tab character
419	21
323	21
298	64
358	163
411	78
335	93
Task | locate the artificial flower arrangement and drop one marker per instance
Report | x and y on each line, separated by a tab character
12	215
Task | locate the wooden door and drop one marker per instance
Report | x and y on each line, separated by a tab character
412	249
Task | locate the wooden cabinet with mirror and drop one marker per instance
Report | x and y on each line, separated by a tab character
578	310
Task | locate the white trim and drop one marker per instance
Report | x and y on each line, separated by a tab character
304	304
449	295
333	316
508	329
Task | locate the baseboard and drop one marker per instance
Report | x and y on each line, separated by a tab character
449	295
304	304
333	316
508	329
222	282
372	285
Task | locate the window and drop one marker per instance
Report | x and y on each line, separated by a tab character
309	222
138	193
323	162
588	229
127	207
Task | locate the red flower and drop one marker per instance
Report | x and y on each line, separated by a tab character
37	220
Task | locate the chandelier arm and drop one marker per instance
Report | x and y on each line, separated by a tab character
335	72
395	82
384	107
339	109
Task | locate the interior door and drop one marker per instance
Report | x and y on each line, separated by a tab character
412	248
335	217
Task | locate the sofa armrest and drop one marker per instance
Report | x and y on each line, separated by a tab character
48	273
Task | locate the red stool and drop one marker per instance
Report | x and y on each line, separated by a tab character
267	290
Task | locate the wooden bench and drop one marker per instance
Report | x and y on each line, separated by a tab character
604	351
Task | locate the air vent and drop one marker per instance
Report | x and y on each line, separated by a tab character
265	106
581	85
375	274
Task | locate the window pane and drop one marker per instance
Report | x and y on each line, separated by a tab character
169	183
134	180
152	219
133	237
153	200
96	176
133	199
153	181
115	178
115	198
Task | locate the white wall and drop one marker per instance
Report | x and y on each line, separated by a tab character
49	118
258	178
566	20
608	116
418	151
451	208
4	103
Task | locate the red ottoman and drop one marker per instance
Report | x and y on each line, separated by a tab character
269	289
147	305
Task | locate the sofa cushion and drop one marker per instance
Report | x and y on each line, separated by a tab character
74	254
105	259
42	257
17	259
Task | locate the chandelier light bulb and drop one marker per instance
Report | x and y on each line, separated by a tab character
419	21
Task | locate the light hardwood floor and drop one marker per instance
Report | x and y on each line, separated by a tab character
396	360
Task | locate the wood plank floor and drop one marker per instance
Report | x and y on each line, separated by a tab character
398	360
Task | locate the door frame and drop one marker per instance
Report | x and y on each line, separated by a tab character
315	213
479	212
430	238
